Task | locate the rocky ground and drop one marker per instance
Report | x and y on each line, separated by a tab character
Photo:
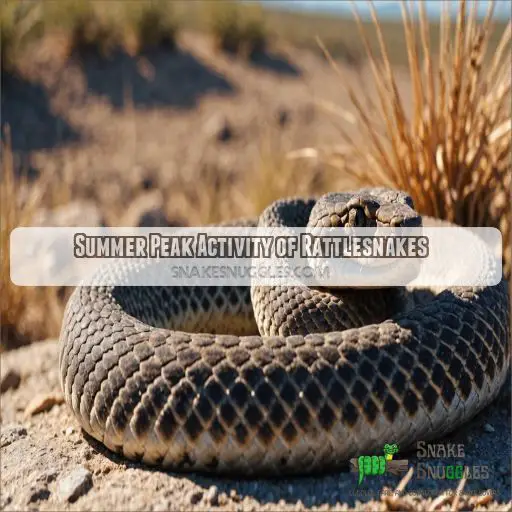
182	133
47	463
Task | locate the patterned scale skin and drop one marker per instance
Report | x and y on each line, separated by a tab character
286	311
273	405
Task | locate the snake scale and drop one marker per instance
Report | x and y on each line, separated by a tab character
332	374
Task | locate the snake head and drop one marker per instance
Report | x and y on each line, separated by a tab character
365	208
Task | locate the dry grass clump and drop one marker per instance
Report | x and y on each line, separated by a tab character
93	28
26	313
154	24
453	152
236	28
19	24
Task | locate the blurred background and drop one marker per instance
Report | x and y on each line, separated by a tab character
158	113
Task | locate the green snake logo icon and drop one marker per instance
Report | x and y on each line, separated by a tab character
376	464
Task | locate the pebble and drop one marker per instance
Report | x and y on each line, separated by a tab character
489	428
10	380
69	431
75	484
43	403
212	495
12	433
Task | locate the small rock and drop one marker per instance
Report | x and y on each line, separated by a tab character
212	495
12	433
489	428
10	380
74	484
43	403
69	431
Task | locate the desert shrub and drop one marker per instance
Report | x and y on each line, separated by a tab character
237	28
26	313
94	28
254	31
452	153
154	24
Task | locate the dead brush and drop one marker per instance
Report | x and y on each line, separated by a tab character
237	28
26	313
453	152
154	24
93	28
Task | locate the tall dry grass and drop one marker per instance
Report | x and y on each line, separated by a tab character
452	151
26	313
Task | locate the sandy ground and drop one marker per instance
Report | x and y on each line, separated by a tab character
113	130
47	463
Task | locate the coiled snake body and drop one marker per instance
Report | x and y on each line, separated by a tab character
329	377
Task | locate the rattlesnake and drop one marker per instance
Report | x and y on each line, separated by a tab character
284	401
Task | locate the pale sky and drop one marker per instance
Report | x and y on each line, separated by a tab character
385	8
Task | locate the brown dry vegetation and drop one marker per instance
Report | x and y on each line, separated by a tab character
26	313
451	150
453	153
